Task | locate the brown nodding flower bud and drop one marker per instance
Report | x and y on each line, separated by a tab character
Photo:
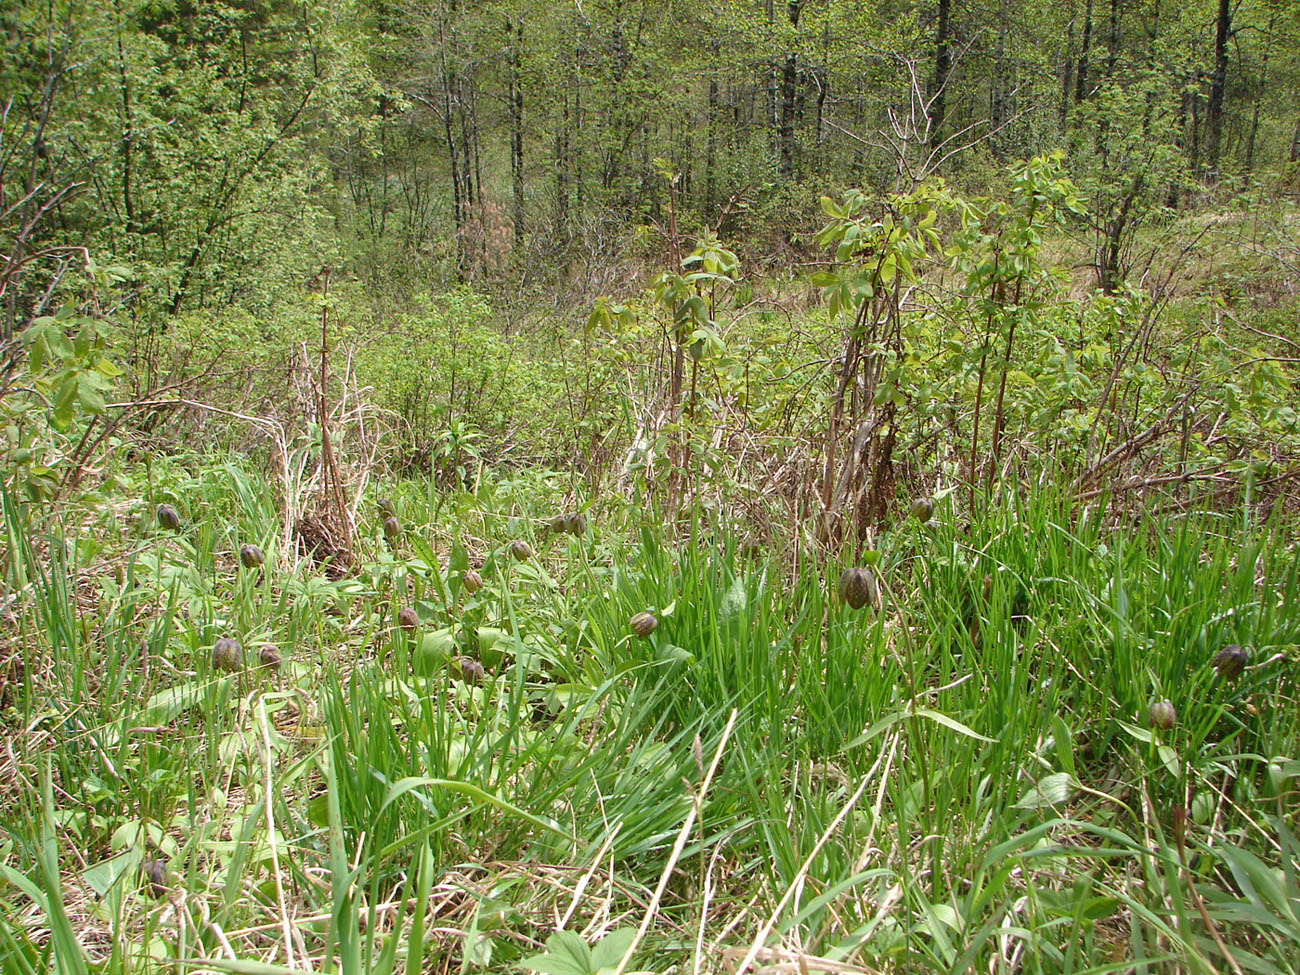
227	655
154	872
1230	661
1162	715
858	588
643	624
471	671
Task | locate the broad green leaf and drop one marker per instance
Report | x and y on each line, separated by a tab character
734	602
952	723
831	210
566	954
166	705
64	402
1260	882
1064	743
58	344
609	951
888	269
1052	790
100	877
406	785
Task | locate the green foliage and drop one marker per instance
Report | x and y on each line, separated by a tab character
1135	173
689	296
567	954
228	153
69	370
49	404
449	379
1004	740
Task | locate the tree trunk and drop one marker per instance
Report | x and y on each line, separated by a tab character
1112	56
998	99
942	67
579	188
128	136
823	89
562	176
453	157
563	171
1081	76
711	142
858	164
1259	94
1218	84
1113	247
1067	72
385	158
1196	126
773	75
785	132
515	97
1180	140
1112	40
30	210
789	90
469	143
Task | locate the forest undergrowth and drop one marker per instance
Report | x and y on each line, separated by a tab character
946	621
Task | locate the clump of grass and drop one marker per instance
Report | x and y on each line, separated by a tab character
965	777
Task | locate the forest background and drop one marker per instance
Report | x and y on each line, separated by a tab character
226	156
